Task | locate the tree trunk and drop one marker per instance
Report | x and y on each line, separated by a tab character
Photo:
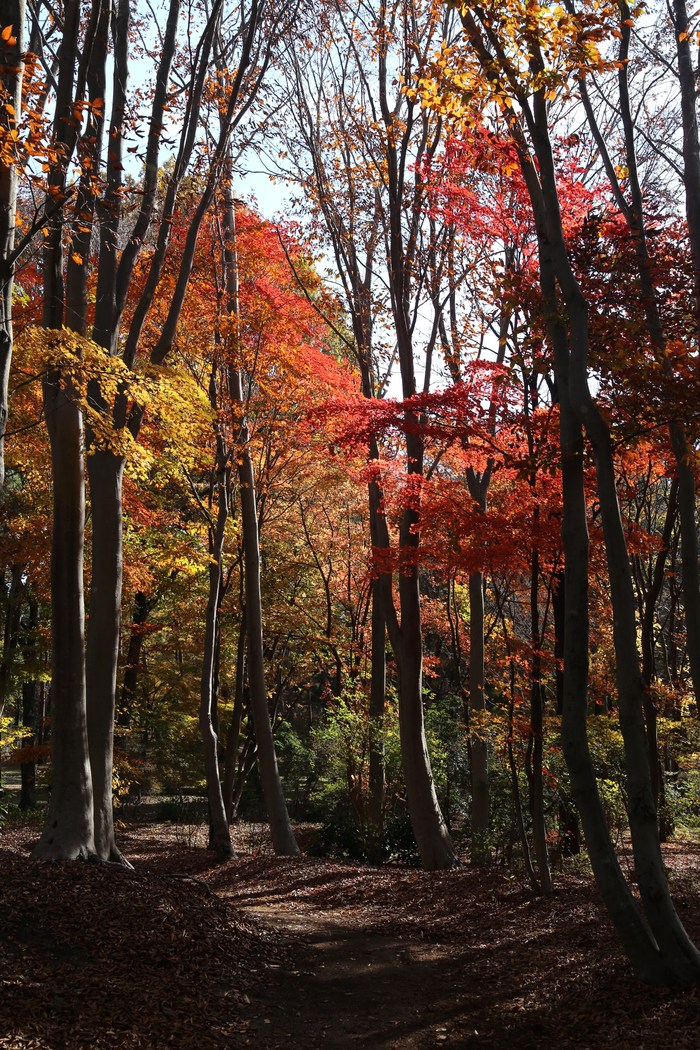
30	694
280	826
478	742
429	828
536	741
11	631
105	471
669	955
30	709
219	835
377	707
69	830
234	732
12	15
143	606
686	476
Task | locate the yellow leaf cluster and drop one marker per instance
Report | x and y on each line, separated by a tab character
534	46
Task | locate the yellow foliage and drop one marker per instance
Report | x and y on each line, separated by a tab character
516	48
98	381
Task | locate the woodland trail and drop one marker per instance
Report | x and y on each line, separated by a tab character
354	987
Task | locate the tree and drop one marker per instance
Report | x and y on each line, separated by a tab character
662	950
370	45
106	462
12	47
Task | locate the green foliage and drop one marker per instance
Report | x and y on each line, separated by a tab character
337	764
297	763
449	755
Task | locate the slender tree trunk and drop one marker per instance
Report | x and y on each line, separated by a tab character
280	826
11	631
634	214
478	742
12	15
377	707
30	694
143	606
659	949
245	768
234	732
686	475
219	835
281	829
647	630
429	828
515	789
377	696
536	742
30	709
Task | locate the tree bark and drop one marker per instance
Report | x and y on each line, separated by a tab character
478	742
377	708
69	831
30	708
219	835
12	14
667	955
280	826
536	742
105	471
234	732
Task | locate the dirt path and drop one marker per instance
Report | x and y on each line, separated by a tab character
351	987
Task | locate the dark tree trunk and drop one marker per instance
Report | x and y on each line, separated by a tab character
143	606
69	830
105	471
667	954
280	826
377	707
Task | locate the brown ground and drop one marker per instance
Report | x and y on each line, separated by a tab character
307	953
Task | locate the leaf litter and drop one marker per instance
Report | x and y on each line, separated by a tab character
272	952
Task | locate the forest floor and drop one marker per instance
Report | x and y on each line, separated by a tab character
308	953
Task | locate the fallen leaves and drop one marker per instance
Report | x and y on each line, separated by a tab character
347	955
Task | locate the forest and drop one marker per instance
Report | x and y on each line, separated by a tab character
350	578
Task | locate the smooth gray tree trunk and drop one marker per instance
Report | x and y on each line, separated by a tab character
219	835
283	838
